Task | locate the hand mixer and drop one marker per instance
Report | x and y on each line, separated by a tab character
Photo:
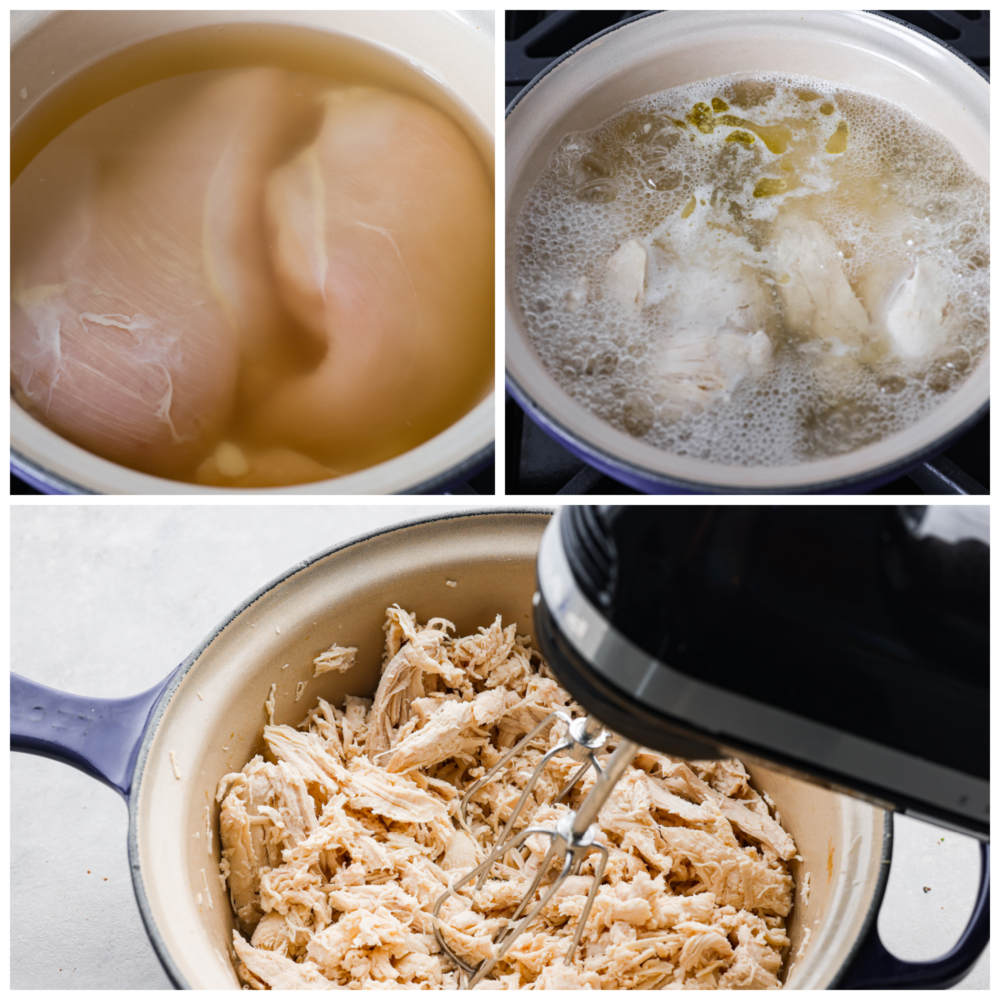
846	645
571	840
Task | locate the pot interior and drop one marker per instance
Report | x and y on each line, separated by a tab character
214	723
671	48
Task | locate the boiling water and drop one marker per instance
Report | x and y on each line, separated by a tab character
757	271
253	275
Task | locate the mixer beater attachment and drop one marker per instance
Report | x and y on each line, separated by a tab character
572	839
583	738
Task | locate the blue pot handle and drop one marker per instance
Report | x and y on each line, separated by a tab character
875	969
100	736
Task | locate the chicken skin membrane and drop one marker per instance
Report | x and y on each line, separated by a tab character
377	244
338	841
129	324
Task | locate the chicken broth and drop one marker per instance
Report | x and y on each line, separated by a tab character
757	271
233	268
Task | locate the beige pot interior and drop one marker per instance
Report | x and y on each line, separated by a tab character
441	58
214	725
675	47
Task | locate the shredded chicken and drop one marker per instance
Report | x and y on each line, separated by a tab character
339	658
338	844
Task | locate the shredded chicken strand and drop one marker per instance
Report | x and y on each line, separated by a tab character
338	842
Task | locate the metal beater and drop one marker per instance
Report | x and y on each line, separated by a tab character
572	839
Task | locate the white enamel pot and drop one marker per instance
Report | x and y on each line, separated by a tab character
447	59
210	712
665	49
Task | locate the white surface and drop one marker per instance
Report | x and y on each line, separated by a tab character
105	601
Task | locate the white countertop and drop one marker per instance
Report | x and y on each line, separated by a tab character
106	599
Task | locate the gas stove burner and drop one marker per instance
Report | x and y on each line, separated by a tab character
535	462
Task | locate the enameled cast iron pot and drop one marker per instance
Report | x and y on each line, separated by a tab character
444	58
215	699
666	49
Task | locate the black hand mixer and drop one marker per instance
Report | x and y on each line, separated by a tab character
846	644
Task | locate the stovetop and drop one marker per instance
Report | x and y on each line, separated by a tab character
537	464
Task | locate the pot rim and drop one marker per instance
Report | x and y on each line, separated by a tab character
49	482
650	13
170	688
869	925
632	470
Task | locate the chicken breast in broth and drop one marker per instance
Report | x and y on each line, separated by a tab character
253	277
137	292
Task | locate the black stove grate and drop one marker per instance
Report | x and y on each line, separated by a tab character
535	463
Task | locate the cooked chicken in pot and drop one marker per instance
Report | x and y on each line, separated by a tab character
338	844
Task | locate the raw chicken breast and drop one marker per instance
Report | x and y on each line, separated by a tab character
133	305
382	243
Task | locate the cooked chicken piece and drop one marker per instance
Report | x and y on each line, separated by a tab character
239	861
277	972
913	309
402	682
444	736
274	933
698	365
625	280
736	878
391	795
564	977
339	658
818	299
711	342
493	656
756	826
336	858
755	966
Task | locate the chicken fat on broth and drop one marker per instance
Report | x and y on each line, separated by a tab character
757	271
252	275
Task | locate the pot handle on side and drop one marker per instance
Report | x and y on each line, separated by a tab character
875	968
100	736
